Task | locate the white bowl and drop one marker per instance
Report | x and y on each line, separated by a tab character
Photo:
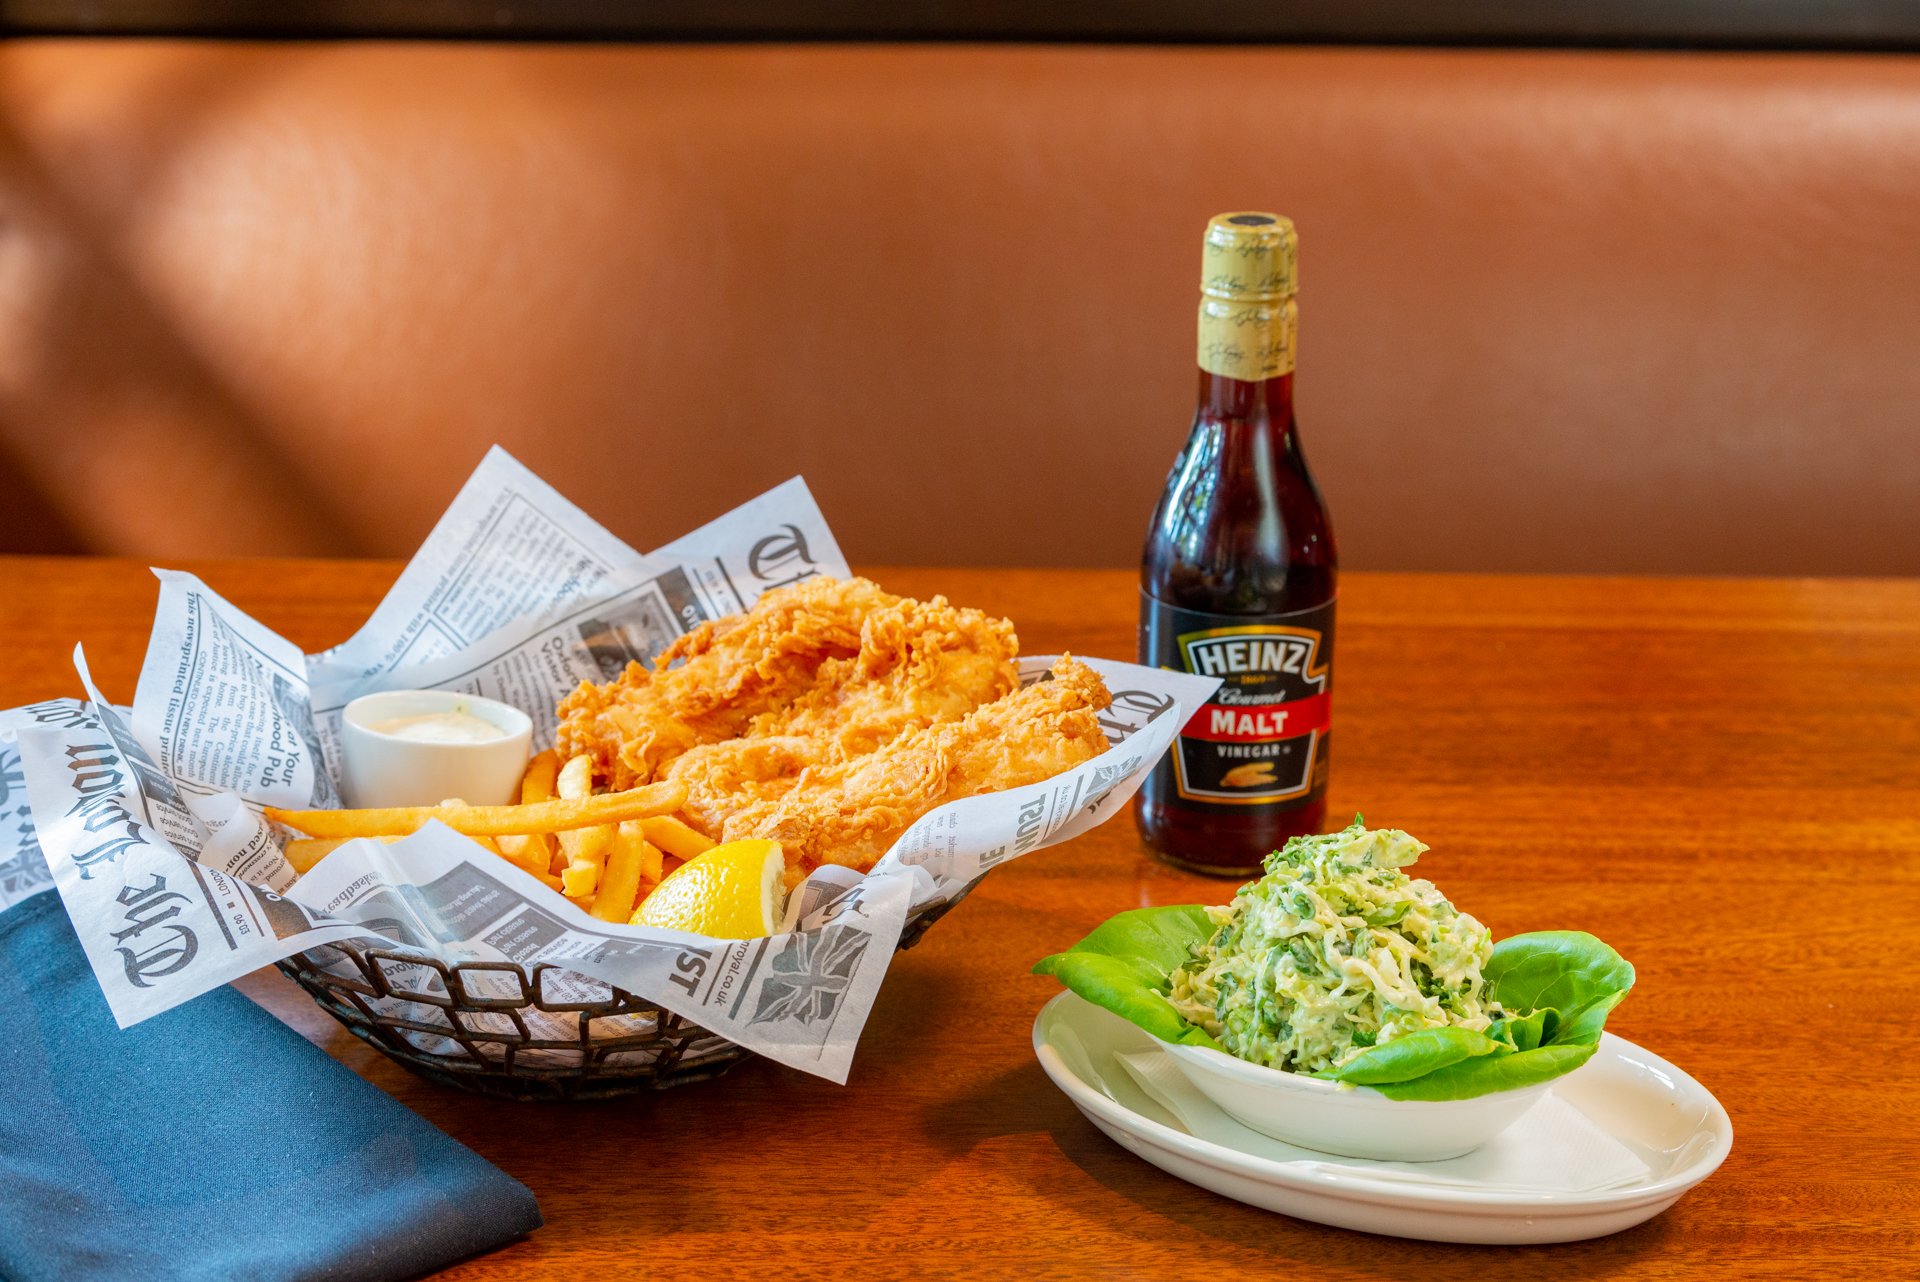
1355	1121
388	770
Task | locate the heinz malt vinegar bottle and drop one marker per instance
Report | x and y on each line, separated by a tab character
1237	579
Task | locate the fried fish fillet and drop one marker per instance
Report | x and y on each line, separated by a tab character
827	667
851	810
920	663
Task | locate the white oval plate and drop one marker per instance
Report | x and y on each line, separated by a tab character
1669	1120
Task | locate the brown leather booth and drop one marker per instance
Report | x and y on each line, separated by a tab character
1560	311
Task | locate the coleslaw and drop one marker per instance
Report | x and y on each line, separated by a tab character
1335	950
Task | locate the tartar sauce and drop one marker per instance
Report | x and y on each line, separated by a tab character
440	727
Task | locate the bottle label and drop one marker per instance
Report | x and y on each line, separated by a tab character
1262	739
1246	339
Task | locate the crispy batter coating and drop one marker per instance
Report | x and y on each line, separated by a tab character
832	715
851	810
839	663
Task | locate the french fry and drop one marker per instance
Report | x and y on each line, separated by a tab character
303	855
518	849
580	879
575	779
534	851
537	783
498	846
675	837
557	816
586	848
620	883
652	862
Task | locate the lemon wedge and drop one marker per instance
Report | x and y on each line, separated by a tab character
730	892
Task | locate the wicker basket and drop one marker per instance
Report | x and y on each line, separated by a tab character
490	1044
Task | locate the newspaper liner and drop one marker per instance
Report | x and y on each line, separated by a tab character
147	821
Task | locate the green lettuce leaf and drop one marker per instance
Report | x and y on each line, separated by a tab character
1414	1055
1557	988
1125	963
1563	970
1524	1032
1507	1072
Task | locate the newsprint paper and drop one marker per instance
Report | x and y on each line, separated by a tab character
146	819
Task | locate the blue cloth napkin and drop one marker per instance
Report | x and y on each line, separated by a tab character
210	1142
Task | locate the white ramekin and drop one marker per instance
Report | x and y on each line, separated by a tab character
386	770
1353	1121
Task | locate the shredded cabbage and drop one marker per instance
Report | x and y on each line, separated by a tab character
1334	950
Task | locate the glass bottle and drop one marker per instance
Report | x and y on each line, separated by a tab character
1237	577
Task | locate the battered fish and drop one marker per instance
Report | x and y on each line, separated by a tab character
827	667
850	811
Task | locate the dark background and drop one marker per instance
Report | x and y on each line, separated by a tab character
1891	25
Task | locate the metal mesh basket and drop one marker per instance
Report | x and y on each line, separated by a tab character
501	1029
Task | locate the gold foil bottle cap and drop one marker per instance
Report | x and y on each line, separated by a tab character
1250	256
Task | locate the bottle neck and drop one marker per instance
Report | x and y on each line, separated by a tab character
1267	401
1246	359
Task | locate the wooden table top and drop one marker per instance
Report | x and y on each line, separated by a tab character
1720	778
